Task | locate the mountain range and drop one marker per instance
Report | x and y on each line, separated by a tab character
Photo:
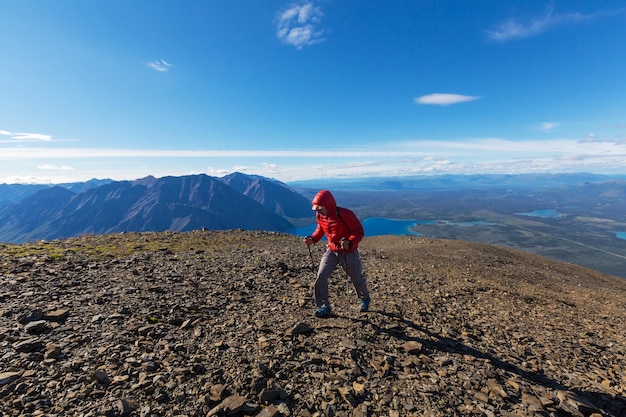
148	204
577	218
457	182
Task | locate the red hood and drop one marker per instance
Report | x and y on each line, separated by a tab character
326	199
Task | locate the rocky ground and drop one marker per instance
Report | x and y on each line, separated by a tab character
221	323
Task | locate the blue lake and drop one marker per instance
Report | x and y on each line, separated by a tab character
377	226
548	213
381	226
620	235
466	224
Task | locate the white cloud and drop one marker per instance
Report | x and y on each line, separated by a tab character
435	149
21	153
217	172
444	99
50	167
38	137
23	137
548	126
273	168
299	25
242	168
515	29
459	156
30	179
160	65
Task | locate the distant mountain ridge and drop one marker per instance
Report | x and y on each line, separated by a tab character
456	182
12	193
249	184
153	204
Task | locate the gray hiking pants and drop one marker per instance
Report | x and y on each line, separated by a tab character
351	263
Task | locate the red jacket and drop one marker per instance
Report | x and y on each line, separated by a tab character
339	223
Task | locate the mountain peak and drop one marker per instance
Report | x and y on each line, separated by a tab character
154	204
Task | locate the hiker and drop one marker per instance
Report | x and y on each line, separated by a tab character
343	232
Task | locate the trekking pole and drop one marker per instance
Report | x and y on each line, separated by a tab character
312	288
345	269
311	255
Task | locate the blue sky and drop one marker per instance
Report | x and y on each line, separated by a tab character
311	89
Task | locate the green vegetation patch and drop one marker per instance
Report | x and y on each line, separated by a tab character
122	245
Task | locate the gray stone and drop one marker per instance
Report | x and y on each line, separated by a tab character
36	327
57	315
8	377
29	345
300	328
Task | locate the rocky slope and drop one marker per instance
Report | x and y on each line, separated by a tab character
220	323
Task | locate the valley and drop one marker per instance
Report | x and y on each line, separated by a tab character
584	231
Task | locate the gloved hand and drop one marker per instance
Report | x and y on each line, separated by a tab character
308	240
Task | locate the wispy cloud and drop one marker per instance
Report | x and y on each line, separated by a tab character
444	99
50	167
515	28
548	126
21	153
160	65
270	167
24	137
427	157
219	172
32	137
481	147
298	25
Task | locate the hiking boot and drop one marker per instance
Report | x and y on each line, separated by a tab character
323	311
365	305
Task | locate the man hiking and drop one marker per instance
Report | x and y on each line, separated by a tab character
343	231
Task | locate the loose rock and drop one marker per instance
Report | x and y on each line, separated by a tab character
221	323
